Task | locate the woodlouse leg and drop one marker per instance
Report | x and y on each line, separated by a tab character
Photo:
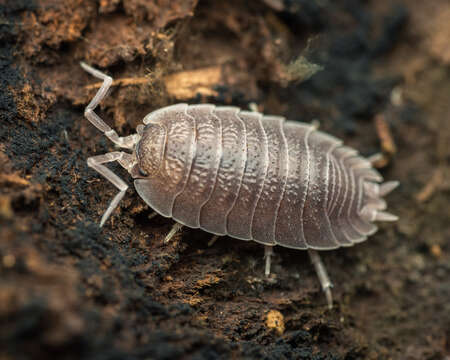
322	275
375	158
96	162
127	142
176	227
213	240
315	123
268	252
253	107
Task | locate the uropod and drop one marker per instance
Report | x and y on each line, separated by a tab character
247	175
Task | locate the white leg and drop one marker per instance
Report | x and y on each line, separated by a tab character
96	162
125	142
315	124
322	275
213	240
373	159
253	107
176	227
268	252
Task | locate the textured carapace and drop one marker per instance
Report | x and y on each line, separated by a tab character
257	177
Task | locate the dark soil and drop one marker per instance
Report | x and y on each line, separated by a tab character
70	290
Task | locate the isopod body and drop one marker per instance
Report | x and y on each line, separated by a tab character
247	175
255	177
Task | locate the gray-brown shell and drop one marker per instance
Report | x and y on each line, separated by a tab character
256	177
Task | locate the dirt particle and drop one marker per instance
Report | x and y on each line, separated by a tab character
275	321
9	261
436	251
207	281
387	143
5	207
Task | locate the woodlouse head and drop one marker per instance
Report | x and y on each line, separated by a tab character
150	149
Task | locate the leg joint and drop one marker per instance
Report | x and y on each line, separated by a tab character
91	162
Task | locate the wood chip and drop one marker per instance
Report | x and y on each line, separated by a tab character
182	85
13	179
436	251
5	207
431	186
275	320
188	84
388	146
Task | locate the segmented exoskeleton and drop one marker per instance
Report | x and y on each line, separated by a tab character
256	177
249	176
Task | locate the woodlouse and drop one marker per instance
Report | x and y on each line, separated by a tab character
247	175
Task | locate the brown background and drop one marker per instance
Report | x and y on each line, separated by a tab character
71	290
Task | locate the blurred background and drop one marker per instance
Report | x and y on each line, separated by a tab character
374	73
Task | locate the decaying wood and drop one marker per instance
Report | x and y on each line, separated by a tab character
181	85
